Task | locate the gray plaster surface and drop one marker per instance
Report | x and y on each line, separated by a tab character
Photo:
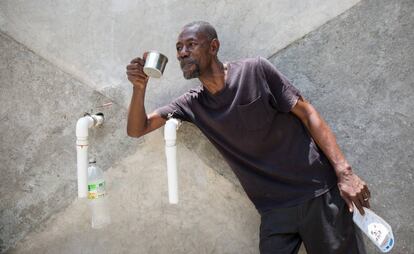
40	105
211	216
358	70
94	40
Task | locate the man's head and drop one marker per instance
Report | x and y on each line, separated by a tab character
197	46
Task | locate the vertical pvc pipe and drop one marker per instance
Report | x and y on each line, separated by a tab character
82	166
170	135
171	153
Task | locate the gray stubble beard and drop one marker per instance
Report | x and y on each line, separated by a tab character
195	73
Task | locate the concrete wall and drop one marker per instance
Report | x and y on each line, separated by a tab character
92	42
40	107
358	70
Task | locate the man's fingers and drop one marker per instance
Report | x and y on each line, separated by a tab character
365	195
134	66
135	72
354	190
361	209
361	200
346	198
354	199
366	190
358	205
137	80
135	60
349	204
142	77
138	60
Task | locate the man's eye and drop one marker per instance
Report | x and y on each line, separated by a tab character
179	48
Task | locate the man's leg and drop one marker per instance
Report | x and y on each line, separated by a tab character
327	226
279	232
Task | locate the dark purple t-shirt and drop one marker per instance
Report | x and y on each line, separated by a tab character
249	122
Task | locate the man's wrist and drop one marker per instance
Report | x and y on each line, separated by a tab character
343	169
138	89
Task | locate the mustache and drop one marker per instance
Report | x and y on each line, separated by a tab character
186	61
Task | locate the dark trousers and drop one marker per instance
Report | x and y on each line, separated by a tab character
324	225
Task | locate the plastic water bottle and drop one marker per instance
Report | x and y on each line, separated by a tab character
97	196
377	229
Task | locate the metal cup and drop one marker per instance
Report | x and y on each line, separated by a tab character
155	63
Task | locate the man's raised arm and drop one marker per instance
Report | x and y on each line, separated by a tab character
139	123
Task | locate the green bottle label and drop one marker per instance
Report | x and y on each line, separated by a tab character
96	190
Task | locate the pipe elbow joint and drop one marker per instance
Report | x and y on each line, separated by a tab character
88	121
82	126
170	131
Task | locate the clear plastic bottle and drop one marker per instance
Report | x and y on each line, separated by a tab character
97	196
377	229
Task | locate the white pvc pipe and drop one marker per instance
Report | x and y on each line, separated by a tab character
170	136
82	128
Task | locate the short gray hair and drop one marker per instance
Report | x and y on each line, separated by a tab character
204	27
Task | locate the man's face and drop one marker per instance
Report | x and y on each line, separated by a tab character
192	52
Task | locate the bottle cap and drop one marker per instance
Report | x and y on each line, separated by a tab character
92	160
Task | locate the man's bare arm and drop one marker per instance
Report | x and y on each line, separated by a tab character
139	123
352	188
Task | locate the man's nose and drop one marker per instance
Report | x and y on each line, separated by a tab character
184	52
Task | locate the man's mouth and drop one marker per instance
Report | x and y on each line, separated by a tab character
187	64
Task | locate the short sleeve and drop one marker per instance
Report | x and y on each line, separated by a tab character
178	108
285	93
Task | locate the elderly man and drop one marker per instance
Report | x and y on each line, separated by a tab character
282	151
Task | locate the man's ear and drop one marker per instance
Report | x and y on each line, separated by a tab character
214	46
